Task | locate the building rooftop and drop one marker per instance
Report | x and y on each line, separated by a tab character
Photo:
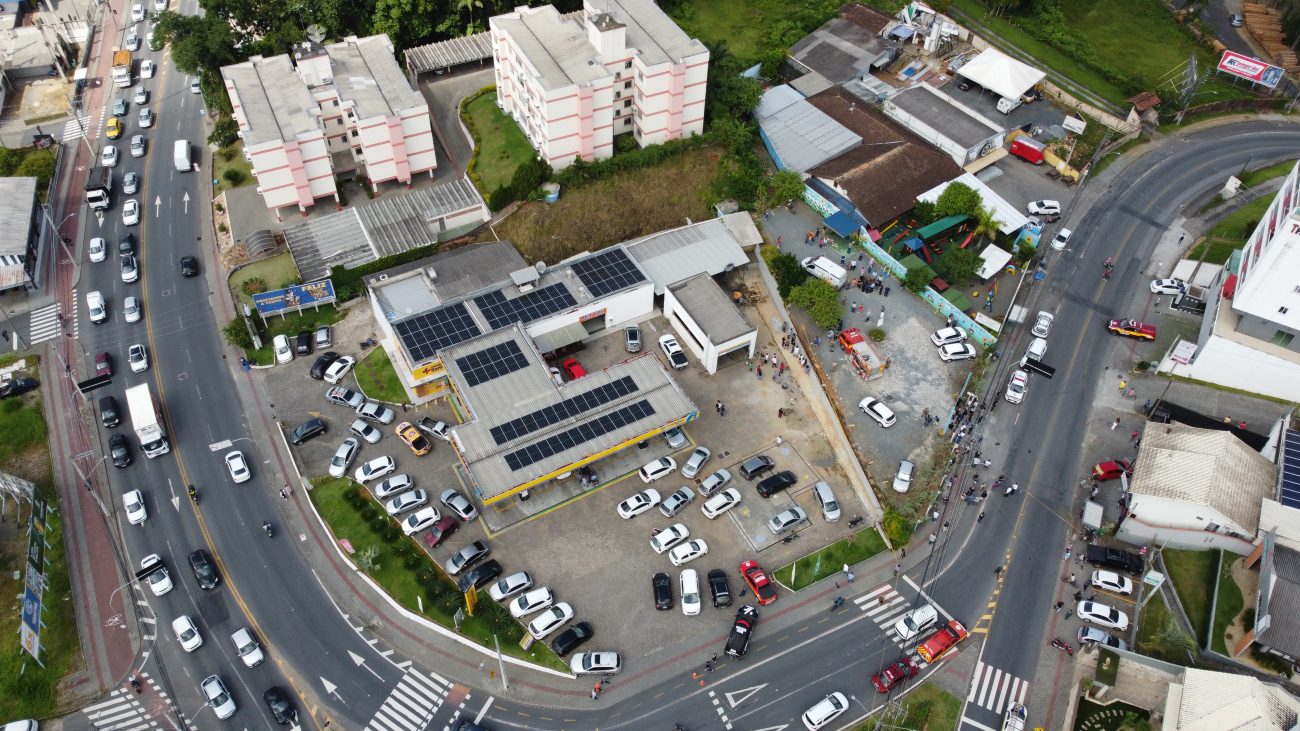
17	196
1282	594
951	118
366	73
713	247
521	426
409	289
649	30
841	50
1006	213
271	98
711	308
1269	289
555	48
1207	700
802	135
865	17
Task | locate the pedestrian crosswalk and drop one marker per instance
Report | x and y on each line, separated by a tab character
411	705
124	710
81	125
885	606
45	323
994	689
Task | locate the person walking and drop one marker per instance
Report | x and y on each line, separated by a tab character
997	571
1112	426
780	413
980	518
933	537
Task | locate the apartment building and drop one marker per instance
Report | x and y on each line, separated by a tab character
574	84
338	109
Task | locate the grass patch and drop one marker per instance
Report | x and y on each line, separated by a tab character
276	271
1262	175
926	707
377	377
500	146
1228	605
407	574
625	206
828	561
1116	154
741	23
1192	573
231	158
1230	233
290	325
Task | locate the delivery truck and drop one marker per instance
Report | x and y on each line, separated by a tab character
122	68
181	156
147	421
99	188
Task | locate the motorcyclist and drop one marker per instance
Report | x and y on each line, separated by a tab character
194	493
266	526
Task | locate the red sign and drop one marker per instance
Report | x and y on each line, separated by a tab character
1251	69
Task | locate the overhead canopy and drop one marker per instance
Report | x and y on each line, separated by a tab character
992	259
1001	74
1008	217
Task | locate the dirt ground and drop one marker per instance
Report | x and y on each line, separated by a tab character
44	99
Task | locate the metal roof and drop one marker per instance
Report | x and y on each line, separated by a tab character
17	197
271	98
711	247
454	51
952	119
841	50
1208	700
1007	215
711	309
802	135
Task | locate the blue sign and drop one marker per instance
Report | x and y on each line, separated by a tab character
294	298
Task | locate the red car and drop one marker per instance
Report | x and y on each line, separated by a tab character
440	530
1132	328
901	669
757	581
103	364
1111	470
573	368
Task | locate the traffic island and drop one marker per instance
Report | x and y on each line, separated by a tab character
830	560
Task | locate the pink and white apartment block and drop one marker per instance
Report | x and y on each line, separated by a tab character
332	110
572	85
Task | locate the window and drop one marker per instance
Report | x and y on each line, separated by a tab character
628	85
1282	338
354	134
627	65
627	122
1282	310
627	103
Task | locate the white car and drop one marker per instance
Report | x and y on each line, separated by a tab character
673	351
720	503
375	468
247	647
187	633
826	710
1017	386
638	503
96	306
534	601
664	539
108	156
661	467
131	309
345	397
138	359
695	462
343	457
133	501
1103	615
1112	582
339	368
406	501
1044	208
714	482
283	350
595	663
510	585
366	431
130	269
132	41
218	697
141	93
1043	324
956	351
238	466
419	520
137	12
159	581
785	520
147	69
440	429
903	477
376	412
145	118
879	412
195	86
137	146
1062	239
1168	286
688	551
131	182
916	621
392	486
690	586
550	620
948	335
459	505
98	250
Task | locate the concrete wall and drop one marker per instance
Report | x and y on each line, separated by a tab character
1232	364
1175	523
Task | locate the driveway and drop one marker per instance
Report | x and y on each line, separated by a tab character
444	94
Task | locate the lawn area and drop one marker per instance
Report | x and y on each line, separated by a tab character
828	561
1192	573
1231	232
741	23
501	146
276	272
231	158
1228	605
627	205
1152	633
290	325
408	575
927	707
1254	177
378	379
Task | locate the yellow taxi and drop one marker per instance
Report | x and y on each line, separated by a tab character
113	128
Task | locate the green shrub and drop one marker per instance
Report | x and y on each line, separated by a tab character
290	282
221	226
369	511
225	132
897	527
348	282
237	334
364	182
413	560
391	533
877	334
234	176
254	285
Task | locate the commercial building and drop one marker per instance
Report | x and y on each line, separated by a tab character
341	109
21	215
963	133
574	84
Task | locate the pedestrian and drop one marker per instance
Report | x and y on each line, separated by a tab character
780	413
782	371
779	440
779	239
898	568
1241	425
284	494
1072	579
945	525
1059	607
708	666
1123	384
933	537
980	519
760	370
1112	426
997	571
904	551
1133	437
1078	595
723	412
886	293
988	463
1181	237
594	694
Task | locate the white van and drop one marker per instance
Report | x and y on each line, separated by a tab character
1036	350
1007	106
826	270
181	156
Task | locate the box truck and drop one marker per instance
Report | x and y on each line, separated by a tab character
182	155
99	188
146	421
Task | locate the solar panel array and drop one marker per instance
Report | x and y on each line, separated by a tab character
579	434
569	407
500	311
424	335
608	272
489	363
1290	470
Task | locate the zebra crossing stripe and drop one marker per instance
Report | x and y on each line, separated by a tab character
411	704
995	689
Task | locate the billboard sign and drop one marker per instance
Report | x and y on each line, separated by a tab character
34	583
1250	69
297	297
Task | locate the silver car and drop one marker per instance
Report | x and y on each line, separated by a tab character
632	339
785	520
674	503
695	462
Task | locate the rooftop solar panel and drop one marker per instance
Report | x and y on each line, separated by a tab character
1290	490
569	407
501	311
489	363
424	335
607	272
579	434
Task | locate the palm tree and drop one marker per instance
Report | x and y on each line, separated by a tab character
985	223
469	5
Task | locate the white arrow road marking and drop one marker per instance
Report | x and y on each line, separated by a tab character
186	200
736	697
157	206
361	661
330	688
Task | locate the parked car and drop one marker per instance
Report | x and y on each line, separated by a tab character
342	396
283	351
1131	328
782	480
1112	469
688	551
568	640
948	336
665	538
756	579
632	339
419	520
742	630
878	412
786	519
322	362
894	674
18	387
757	466
903	477
830	507
376	412
550	620
595	663
1168	286
714	482
1111	582
1062	239
465	557
1103	615
459	505
573	368
511	585
1044	208
339	368
436	429
392	486
1016	387
695	462
309	429
374	469
720	503
676	502
441	531
662	586
1043	324
676	437
366	431
956	351
824	711
406	501
661	467
638	503
1094	636
417	442
673	351
479	576
690	592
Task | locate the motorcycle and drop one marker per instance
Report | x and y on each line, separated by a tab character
1061	644
790	538
266	526
839	602
1013	489
369	342
194	494
856	521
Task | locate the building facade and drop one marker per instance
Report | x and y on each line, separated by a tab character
573	85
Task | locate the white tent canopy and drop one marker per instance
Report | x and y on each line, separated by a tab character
992	259
1001	74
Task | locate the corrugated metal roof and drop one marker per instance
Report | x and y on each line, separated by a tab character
1007	215
711	309
1283	519
803	135
17	197
709	246
1280	599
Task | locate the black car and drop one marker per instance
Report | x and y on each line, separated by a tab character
324	361
304	343
663	587
719	588
18	386
119	450
480	576
108	415
757	466
309	429
776	483
282	708
570	638
204	570
189	266
741	630
126	244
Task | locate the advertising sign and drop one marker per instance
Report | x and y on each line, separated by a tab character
297	297
1251	69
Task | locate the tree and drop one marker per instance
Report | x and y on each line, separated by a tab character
1024	252
733	134
787	272
957	200
916	280
986	222
924	213
1172	639
470	6
199	42
730	95
409	22
959	265
780	187
820	300
38	164
237	334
